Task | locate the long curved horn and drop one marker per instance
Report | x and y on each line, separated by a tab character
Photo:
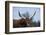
33	15
19	14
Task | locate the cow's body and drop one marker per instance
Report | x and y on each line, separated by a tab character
20	23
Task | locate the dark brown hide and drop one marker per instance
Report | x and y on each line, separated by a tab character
20	23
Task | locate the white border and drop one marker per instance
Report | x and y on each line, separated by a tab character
11	29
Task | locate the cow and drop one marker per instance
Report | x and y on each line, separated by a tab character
23	22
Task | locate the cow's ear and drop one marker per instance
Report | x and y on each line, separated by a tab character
31	18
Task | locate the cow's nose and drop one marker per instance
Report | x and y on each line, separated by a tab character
28	24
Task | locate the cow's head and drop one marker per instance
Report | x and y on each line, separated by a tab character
27	18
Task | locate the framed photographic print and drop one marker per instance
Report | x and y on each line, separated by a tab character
24	17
